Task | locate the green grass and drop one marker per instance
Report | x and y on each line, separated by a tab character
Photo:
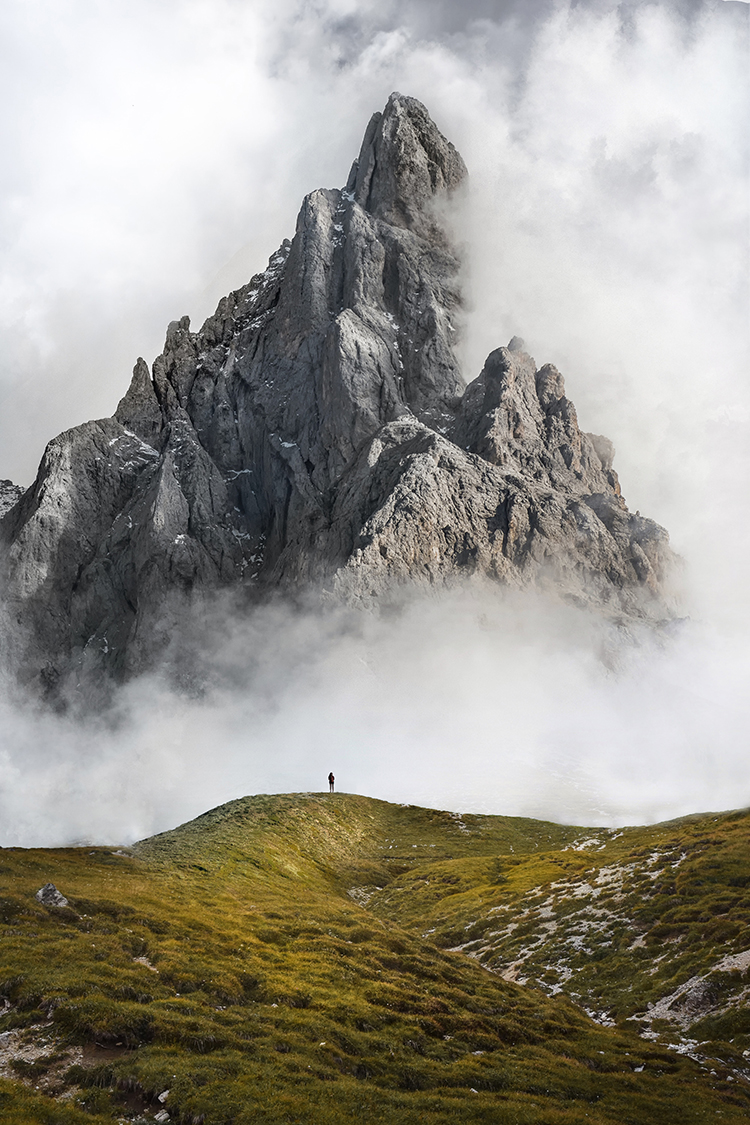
629	919
227	962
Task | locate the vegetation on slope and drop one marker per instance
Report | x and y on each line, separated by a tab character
646	925
279	960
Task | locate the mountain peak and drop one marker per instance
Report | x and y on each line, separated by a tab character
316	431
403	162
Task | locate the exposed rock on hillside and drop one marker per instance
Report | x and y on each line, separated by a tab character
49	895
316	430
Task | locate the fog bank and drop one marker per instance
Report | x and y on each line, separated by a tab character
474	701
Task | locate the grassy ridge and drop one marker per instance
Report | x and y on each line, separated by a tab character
232	963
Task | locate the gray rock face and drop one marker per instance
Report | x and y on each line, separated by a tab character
49	895
316	430
10	494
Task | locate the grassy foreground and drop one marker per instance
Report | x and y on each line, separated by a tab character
316	959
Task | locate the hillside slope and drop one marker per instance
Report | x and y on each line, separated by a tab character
248	964
647	926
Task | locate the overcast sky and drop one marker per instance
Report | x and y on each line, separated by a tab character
154	156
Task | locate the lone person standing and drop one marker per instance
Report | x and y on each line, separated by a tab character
331	780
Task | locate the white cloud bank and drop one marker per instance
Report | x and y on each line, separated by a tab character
473	701
155	155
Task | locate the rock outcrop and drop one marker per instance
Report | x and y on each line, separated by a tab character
49	895
316	430
10	494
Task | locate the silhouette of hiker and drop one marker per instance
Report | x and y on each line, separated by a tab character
331	780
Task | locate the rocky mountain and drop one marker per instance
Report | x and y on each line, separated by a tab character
316	431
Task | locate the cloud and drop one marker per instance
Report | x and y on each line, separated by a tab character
608	226
472	701
155	156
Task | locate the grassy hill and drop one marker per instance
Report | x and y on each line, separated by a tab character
315	958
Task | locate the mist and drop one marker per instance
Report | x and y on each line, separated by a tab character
474	701
157	155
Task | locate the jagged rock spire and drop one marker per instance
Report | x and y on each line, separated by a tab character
403	163
316	430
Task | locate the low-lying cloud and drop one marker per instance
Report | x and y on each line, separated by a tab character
475	700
